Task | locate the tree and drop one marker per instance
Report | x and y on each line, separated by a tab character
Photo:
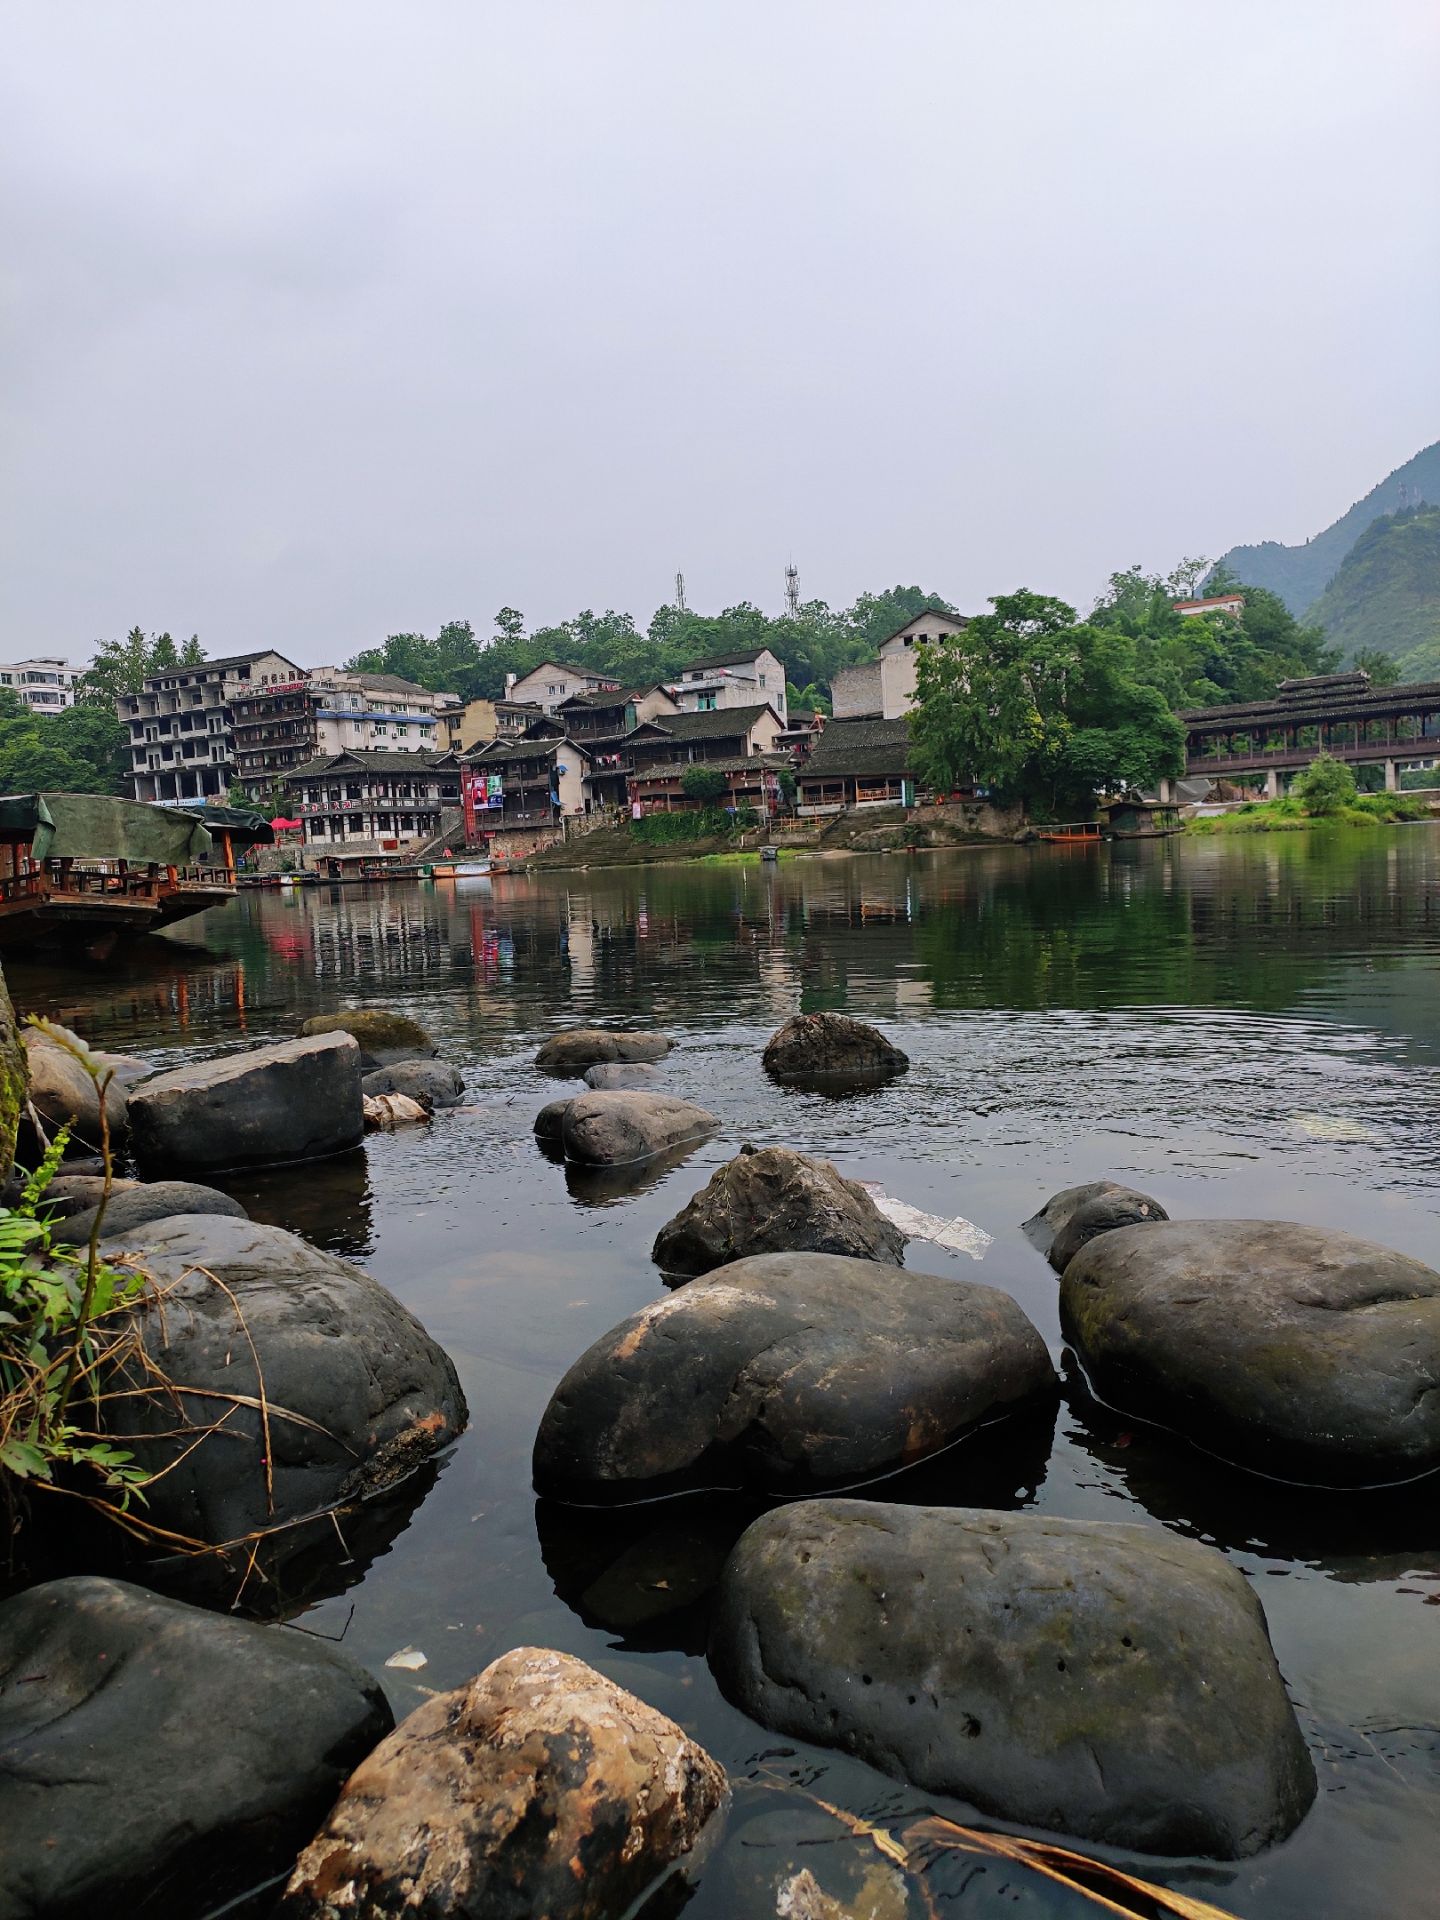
121	666
1327	786
1382	669
82	750
509	624
1040	708
703	784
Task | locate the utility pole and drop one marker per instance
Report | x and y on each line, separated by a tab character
680	606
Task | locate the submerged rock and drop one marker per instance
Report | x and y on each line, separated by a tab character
1041	1228
433	1081
819	1045
775	1200
138	1203
384	1038
63	1094
1120	1207
159	1759
1111	1682
581	1047
784	1373
617	1076
613	1129
356	1394
297	1100
539	1788
1295	1351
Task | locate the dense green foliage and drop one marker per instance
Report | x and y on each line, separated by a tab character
673	829
1384	603
1041	707
703	783
1326	786
813	647
1300	574
1289	815
83	749
120	666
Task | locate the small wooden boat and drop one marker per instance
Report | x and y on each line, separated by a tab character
458	869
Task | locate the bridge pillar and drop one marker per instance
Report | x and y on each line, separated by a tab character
1167	791
1272	783
1392	777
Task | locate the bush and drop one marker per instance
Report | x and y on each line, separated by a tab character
671	829
1326	787
703	783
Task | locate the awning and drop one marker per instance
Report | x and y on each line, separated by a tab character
244	827
98	826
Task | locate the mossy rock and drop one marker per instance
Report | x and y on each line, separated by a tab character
384	1037
12	1080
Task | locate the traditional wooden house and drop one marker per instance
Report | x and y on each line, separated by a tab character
737	743
367	803
858	763
602	723
532	782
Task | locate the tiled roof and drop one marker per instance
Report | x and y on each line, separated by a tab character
506	750
734	763
715	723
723	660
382	682
941	613
373	760
860	746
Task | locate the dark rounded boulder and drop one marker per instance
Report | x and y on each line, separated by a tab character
1295	1351
541	1787
139	1203
581	1047
383	1037
434	1083
614	1129
785	1373
618	1076
820	1046
1120	1207
159	1760
1111	1682
262	1106
774	1200
315	1385
1041	1228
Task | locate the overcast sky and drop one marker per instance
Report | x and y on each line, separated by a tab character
326	320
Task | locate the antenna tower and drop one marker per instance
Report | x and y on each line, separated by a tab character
792	591
680	606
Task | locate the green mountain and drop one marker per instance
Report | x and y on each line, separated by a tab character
1386	595
1300	575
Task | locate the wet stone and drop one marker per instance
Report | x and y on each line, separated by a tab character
138	1204
822	1045
775	1200
384	1038
1120	1207
265	1106
613	1129
1114	1683
581	1047
434	1082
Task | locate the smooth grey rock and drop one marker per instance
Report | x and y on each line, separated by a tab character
138	1204
296	1100
63	1094
1295	1351
775	1200
1120	1207
549	1123
72	1193
612	1129
358	1393
614	1076
432	1082
158	1760
539	1788
1041	1228
1111	1682
822	1045
384	1038
581	1047
785	1373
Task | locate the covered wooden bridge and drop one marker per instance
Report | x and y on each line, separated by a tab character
1339	713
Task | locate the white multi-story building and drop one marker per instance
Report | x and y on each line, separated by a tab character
884	688
755	678
359	710
46	684
552	681
182	724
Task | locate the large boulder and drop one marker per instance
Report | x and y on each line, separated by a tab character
434	1083
774	1200
138	1203
1120	1207
539	1788
311	1384
612	1129
159	1760
581	1047
296	1100
64	1094
785	1373
384	1038
1111	1682
820	1046
1296	1351
617	1076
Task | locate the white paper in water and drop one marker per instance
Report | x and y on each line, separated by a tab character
959	1235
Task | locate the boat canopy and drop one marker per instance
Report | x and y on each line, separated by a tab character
243	827
98	826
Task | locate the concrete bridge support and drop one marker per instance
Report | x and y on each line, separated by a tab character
1272	783
1392	777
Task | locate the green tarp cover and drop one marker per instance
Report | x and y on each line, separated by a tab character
243	828
96	826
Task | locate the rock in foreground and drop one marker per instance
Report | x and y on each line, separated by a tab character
581	1047
786	1373
1291	1350
612	1129
297	1100
136	1205
63	1094
1119	1207
775	1200
1111	1682
541	1788
819	1046
157	1759
357	1392
384	1038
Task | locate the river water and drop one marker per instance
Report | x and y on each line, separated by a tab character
1242	1028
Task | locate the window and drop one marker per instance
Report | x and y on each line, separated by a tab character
708	703
762	679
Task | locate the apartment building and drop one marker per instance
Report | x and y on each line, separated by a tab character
755	677
182	724
46	684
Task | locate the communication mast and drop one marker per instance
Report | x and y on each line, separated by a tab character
792	591
680	606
